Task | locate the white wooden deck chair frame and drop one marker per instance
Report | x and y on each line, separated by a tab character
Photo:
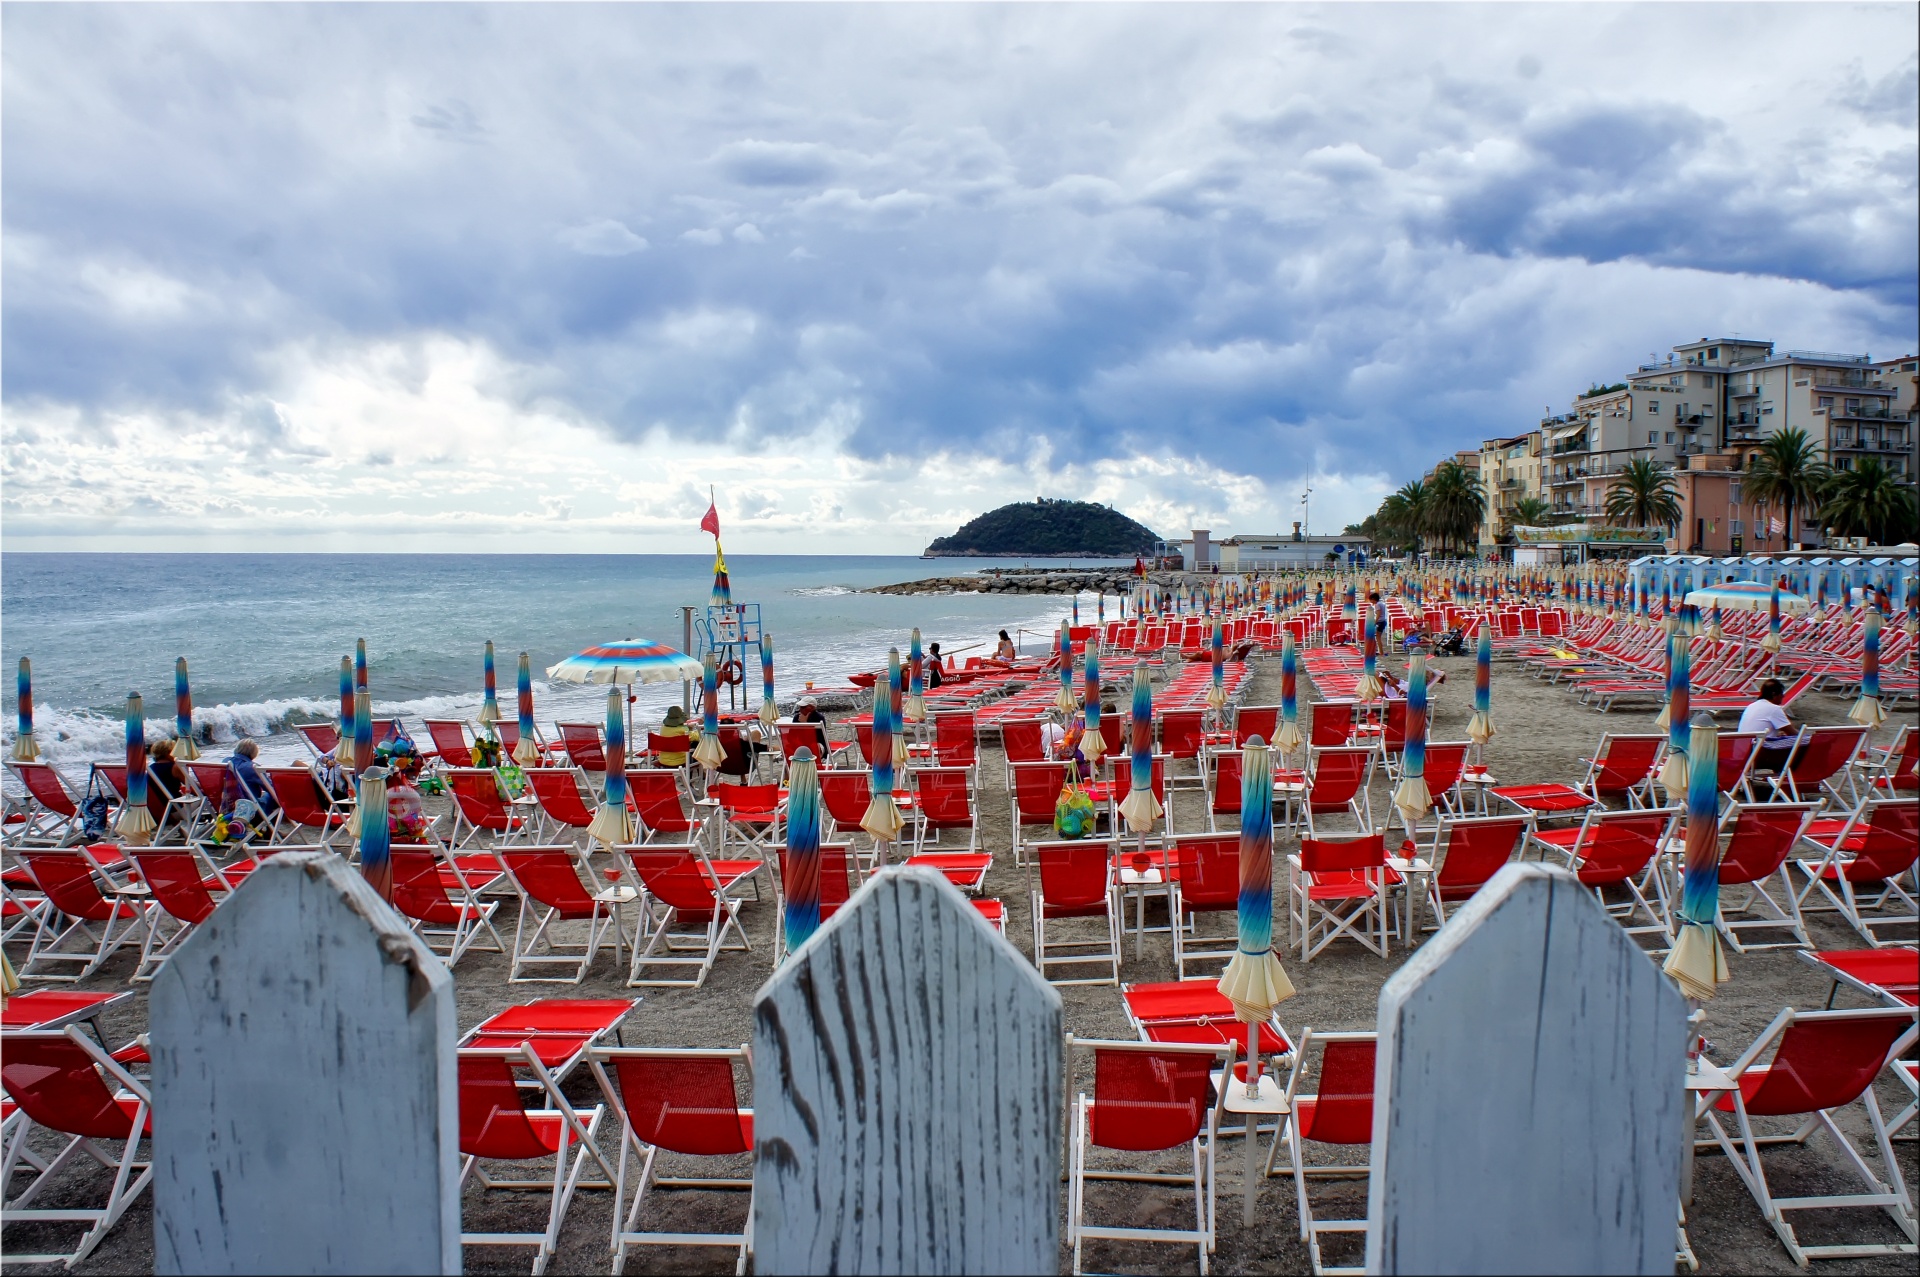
1849	903
115	933
1767	912
1103	951
1312	1229
665	947
609	907
476	916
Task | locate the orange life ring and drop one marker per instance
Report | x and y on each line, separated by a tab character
730	673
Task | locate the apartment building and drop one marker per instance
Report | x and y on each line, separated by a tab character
1510	471
1847	404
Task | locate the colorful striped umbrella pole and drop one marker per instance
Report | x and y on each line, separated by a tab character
1772	641
374	832
769	709
709	753
1673	773
1287	739
1092	746
1696	962
343	747
184	748
1480	727
1063	701
136	822
801	916
525	751
882	819
915	708
1412	799
24	748
1141	808
1867	709
611	824
1369	687
490	695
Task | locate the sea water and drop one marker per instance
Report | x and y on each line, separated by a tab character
263	634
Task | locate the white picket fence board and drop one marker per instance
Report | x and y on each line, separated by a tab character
1531	1075
305	1100
908	1079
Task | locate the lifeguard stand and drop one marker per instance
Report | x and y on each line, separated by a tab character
732	633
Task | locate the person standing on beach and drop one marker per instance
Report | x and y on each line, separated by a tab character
936	671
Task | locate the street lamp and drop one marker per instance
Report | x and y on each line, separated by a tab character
1306	510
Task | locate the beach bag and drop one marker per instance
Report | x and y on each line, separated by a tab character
512	781
1073	814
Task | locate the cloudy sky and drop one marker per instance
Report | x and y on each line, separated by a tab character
532	278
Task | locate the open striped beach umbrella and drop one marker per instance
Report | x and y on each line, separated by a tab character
897	702
1412	797
1287	738
611	824
631	660
1369	685
915	708
801	916
525	752
769	710
1141	808
374	832
882	818
1063	701
1217	689
1254	980
1673	772
1696	962
136	822
1092	746
1480	727
343	747
490	695
183	747
24	749
1867	709
709	752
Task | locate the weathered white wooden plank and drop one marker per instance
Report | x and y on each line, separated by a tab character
1531	1070
305	1101
907	1094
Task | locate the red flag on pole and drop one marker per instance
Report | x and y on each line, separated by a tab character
710	522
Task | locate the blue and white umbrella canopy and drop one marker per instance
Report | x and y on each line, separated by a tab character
634	660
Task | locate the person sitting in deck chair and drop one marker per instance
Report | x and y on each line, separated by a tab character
162	767
1005	651
244	782
674	725
808	711
1768	715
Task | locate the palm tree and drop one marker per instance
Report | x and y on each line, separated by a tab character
1456	502
1867	501
1788	469
1530	512
1644	496
1401	514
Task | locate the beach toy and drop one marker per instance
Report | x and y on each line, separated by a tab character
183	747
136	822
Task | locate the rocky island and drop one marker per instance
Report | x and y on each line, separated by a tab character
1048	529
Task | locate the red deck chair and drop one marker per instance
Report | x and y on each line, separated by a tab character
1020	738
304	805
1120	784
1869	854
1147	1097
560	1030
836	888
1340	1113
863	741
551	894
1206	880
1393	734
497	1126
1824	1061
845	794
1182	736
1036	792
53	811
753	812
1760	837
77	885
479	807
185	887
1075	881
795	737
1623	768
945	800
1337	888
1180	1011
24	911
955	740
1823	757
1225	789
561	803
449	737
1890	975
1255	720
683	1103
583	746
1618	849
1338	781
1737	752
63	1082
319	738
443	905
1331	724
686	917
656	797
1898	765
1476	848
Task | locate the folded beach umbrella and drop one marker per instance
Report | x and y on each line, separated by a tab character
722	595
882	818
1772	641
374	833
1369	685
1076	609
1714	631
1913	606
1063	700
1287	738
1141	808
136	822
1350	610
710	753
359	665
490	697
611	824
897	703
1100	608
525	752
801	917
769	711
1413	797
24	749
183	747
1480	727
362	730
1696	962
1673	772
1867	709
1254	981
914	710
1217	689
1092	746
343	747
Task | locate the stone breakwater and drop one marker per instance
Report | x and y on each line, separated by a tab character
1016	581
